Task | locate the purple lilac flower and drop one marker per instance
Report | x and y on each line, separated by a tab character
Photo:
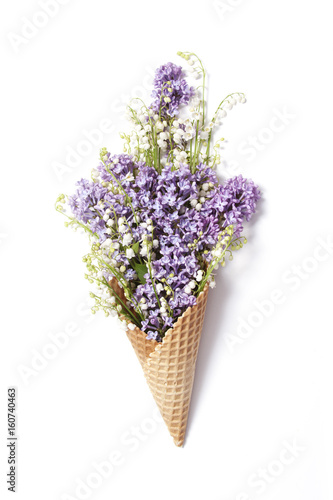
236	200
170	76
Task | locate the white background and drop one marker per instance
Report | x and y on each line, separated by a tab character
249	398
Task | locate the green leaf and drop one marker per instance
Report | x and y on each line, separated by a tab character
135	247
141	270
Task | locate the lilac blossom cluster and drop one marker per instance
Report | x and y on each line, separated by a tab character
170	90
173	220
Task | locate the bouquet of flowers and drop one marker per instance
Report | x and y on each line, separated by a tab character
160	224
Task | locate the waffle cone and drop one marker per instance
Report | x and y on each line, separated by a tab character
169	366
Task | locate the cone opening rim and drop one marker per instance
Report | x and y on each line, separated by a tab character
168	334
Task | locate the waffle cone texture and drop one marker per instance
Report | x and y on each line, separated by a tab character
169	366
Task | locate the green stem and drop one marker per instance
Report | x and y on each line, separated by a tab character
215	116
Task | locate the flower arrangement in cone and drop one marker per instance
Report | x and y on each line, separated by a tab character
160	224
